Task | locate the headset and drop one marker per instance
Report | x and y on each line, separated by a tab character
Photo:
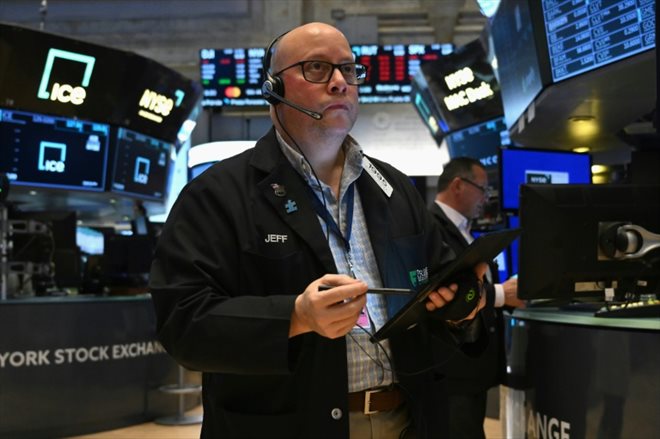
271	84
272	89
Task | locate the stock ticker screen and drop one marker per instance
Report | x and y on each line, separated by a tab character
233	77
583	35
53	151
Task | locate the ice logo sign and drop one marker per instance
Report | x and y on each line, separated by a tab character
50	165
141	174
65	93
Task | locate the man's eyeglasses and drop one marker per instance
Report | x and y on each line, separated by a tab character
320	72
484	189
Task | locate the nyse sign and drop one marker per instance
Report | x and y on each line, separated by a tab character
155	106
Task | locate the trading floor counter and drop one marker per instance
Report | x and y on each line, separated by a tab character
77	364
572	375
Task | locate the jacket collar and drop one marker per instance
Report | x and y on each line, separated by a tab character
447	224
295	206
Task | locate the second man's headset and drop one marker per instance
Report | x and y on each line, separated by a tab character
272	89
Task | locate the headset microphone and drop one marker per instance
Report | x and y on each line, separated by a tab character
267	92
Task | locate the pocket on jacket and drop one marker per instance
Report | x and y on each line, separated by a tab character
275	274
408	264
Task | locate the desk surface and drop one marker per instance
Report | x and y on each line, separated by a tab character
574	317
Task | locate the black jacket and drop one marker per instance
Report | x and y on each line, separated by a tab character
473	374
224	297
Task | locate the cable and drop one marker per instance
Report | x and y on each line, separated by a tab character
316	177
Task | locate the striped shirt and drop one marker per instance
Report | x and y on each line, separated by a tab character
368	366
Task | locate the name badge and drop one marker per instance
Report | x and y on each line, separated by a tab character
275	239
375	174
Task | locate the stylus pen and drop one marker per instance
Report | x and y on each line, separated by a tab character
386	291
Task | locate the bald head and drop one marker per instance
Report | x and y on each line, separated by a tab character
289	48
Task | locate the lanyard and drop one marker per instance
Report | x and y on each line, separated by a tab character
332	224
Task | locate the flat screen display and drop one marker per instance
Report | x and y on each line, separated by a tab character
233	76
464	87
140	165
584	35
392	67
50	151
426	107
519	70
536	166
71	78
481	141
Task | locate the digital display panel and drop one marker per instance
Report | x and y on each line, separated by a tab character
584	35
59	75
426	107
233	76
140	165
50	151
464	87
519	69
481	141
524	165
390	69
158	100
71	78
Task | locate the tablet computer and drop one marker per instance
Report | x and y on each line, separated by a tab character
483	249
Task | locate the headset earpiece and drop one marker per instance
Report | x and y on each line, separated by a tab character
271	84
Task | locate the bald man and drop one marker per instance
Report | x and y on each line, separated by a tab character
261	272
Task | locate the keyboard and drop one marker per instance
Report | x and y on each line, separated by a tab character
647	308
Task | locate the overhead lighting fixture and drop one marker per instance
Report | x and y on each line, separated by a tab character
599	169
583	126
581	149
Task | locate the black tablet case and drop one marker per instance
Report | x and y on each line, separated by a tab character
483	249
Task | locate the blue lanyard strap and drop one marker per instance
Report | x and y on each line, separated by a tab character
330	221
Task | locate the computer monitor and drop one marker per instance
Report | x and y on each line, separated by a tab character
141	164
53	152
565	242
541	166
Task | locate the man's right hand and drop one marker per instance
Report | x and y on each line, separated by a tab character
331	313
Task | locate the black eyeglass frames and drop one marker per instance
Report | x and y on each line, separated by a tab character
320	72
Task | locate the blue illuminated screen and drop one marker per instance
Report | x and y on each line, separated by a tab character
141	165
522	165
51	151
